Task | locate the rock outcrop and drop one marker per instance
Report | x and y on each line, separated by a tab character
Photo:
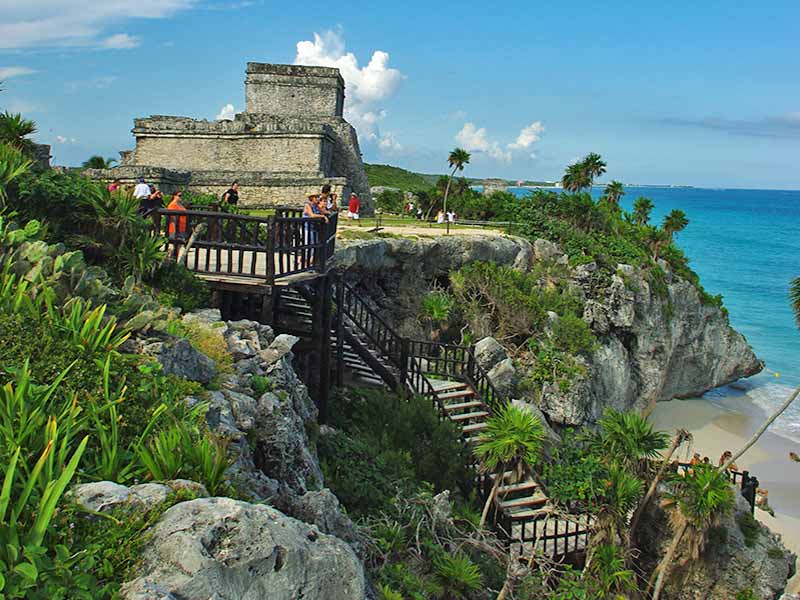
655	344
728	568
231	550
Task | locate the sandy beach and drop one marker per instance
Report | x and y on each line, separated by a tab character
726	425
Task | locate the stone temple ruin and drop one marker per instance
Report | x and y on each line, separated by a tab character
291	139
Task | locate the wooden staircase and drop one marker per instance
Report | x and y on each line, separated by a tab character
367	351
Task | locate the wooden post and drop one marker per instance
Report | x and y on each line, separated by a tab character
404	356
339	332
270	250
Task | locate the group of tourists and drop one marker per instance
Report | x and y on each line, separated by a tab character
324	204
445	217
416	212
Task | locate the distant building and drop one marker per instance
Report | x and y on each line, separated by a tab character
291	139
490	186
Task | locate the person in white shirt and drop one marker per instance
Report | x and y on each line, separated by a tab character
142	190
451	216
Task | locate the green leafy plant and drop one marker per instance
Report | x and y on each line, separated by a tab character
457	575
261	384
436	306
13	164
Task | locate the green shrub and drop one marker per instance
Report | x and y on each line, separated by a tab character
749	528
261	384
775	553
436	306
457	575
571	334
177	286
746	594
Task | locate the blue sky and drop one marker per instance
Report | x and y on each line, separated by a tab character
703	94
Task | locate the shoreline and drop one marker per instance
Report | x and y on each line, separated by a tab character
726	424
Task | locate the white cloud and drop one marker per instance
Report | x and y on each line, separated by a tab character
528	136
388	144
98	83
9	72
473	139
226	113
458	115
65	140
30	24
366	86
121	41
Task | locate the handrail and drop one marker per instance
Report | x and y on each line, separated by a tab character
379	332
254	247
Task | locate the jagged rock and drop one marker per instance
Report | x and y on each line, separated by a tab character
243	409
546	250
442	510
205	316
595	316
280	444
178	357
727	568
504	377
489	352
230	550
280	347
107	496
243	339
322	508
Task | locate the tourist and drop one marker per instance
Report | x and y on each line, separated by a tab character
142	190
231	197
440	217
410	210
177	225
451	216
419	213
114	185
312	210
331	205
353	207
149	206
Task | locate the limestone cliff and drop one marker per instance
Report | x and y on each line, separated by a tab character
652	347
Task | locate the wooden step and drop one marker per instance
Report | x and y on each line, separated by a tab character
445	386
531	513
527	502
525	486
467	416
462	406
474	427
459	394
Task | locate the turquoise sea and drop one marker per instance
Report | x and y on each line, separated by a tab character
744	245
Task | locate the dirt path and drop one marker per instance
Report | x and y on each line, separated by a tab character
424	231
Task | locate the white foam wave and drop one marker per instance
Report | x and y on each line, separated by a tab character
770	396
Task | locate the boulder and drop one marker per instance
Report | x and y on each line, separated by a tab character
322	508
280	347
504	377
230	550
178	357
107	496
489	352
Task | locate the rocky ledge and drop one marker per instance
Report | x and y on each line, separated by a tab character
654	346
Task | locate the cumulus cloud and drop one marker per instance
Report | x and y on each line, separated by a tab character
27	24
474	139
121	41
226	113
528	136
367	86
9	72
65	140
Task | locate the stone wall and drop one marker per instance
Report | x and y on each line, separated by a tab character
293	90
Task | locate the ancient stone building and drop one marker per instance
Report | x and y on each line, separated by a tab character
291	139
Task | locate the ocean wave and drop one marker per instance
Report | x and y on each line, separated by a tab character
770	396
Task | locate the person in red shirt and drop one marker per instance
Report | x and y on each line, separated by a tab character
177	225
353	207
114	185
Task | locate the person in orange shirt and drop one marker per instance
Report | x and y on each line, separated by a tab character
177	225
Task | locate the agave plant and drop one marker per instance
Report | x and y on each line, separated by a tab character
14	131
87	327
457	575
629	438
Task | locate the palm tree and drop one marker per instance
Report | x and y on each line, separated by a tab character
13	164
628	439
458	159
595	166
614	192
575	178
98	162
674	222
794	296
641	210
14	130
512	441
700	499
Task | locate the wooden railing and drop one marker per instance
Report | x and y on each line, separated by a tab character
247	246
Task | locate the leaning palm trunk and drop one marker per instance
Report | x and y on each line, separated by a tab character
680	437
666	562
497	481
184	250
447	191
762	429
